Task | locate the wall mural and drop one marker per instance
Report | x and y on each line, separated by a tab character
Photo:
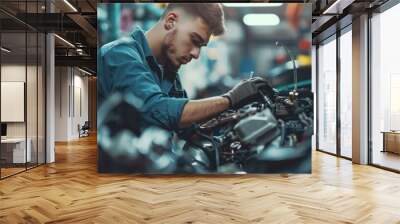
204	88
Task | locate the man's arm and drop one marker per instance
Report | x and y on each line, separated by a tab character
201	110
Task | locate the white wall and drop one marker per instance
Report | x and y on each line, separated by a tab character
80	100
71	94
11	73
61	103
16	73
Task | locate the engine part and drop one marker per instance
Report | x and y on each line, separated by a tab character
271	135
258	129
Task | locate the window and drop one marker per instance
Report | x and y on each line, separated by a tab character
327	96
22	78
385	88
346	94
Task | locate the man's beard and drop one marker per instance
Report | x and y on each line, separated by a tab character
168	48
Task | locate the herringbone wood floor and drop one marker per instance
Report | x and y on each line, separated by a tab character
71	191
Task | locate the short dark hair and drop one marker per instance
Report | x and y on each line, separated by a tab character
211	13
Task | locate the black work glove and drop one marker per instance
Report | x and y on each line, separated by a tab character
247	91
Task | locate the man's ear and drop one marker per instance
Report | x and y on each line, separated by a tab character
170	21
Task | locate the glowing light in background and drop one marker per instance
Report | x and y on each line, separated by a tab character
252	4
261	20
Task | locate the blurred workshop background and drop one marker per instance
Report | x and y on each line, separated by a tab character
249	45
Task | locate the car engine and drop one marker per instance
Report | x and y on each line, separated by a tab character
270	135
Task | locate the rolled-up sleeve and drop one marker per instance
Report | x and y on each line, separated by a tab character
131	75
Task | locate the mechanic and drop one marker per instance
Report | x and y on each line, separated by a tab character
146	65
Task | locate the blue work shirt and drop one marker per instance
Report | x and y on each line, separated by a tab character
127	65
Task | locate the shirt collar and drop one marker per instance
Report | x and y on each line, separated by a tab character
139	36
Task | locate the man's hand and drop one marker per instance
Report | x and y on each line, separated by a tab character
246	91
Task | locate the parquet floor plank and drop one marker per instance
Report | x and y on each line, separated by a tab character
71	191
